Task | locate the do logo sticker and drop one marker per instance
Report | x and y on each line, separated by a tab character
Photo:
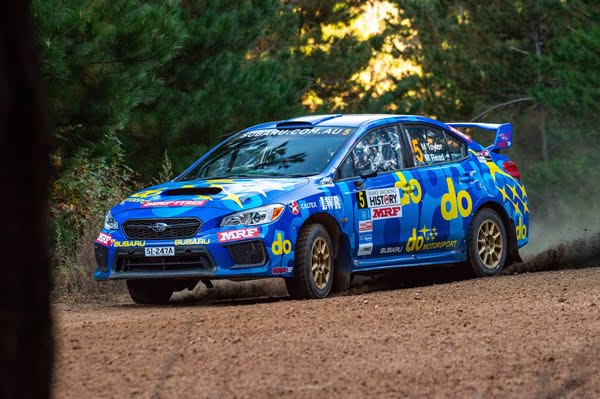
281	246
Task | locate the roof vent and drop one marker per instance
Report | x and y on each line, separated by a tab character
294	125
305	122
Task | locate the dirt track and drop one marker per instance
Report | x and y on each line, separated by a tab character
531	335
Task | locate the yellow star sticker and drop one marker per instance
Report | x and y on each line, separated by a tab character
503	192
148	193
523	192
495	169
517	208
513	190
235	198
424	230
525	207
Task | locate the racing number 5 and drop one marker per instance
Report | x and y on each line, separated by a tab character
417	150
361	199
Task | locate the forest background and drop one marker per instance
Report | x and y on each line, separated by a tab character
140	89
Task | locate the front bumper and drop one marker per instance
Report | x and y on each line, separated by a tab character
250	258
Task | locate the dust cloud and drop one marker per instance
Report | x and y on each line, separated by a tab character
563	243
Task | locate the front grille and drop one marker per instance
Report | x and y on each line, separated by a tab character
250	253
141	229
192	261
101	253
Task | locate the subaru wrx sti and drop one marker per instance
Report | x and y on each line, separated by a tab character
316	199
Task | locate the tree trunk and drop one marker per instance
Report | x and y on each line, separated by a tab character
25	328
538	53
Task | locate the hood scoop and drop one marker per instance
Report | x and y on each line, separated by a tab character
192	191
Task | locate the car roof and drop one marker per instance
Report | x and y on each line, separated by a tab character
342	120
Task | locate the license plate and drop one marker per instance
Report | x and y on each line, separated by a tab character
160	251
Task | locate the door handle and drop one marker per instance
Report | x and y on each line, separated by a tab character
408	189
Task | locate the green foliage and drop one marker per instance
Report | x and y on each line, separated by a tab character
166	172
80	198
236	70
572	68
101	60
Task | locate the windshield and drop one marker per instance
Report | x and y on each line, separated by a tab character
273	153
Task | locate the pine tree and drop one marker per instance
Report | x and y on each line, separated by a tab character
100	61
236	69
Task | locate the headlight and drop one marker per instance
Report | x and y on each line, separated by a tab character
256	216
110	223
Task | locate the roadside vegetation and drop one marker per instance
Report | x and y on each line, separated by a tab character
138	89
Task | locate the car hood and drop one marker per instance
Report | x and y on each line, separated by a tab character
224	194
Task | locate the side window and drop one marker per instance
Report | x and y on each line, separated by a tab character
428	145
378	150
456	148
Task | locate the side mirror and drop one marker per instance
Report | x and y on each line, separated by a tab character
368	173
364	176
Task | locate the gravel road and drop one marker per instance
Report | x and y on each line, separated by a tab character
532	335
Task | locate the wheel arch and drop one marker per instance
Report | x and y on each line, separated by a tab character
512	255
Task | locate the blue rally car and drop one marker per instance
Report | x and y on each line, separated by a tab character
316	199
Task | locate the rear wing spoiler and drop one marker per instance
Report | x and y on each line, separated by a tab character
503	131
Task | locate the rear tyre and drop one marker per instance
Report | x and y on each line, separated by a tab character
149	292
313	264
488	243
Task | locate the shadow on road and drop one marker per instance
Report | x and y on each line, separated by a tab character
577	254
229	293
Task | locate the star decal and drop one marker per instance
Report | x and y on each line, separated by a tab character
503	192
517	208
495	169
234	197
424	230
523	192
432	234
513	190
525	207
235	189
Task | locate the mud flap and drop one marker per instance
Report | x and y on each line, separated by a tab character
342	271
512	255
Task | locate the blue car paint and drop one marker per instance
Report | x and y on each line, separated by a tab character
431	226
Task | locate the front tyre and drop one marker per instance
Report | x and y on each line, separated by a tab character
149	292
488	243
313	264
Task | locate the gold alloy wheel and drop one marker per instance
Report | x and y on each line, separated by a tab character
489	244
321	262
